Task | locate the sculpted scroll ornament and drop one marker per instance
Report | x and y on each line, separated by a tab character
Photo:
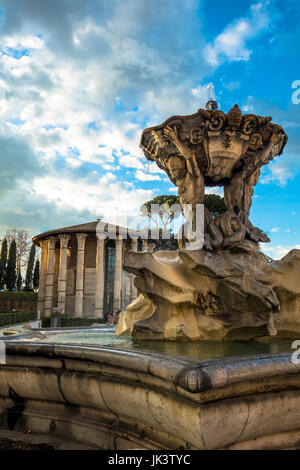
216	121
255	141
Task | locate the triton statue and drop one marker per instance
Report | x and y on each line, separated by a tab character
227	289
210	148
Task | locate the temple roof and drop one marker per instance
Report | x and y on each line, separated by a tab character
88	227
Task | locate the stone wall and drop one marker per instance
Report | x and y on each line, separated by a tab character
21	305
114	399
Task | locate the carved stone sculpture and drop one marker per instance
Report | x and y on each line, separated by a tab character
210	148
227	289
204	295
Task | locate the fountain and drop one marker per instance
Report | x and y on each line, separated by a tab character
89	389
220	286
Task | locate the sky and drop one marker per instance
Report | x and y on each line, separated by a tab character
80	80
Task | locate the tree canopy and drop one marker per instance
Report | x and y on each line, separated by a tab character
10	276
3	261
214	203
23	242
36	275
164	209
29	271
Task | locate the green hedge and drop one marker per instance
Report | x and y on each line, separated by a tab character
72	321
10	318
18	295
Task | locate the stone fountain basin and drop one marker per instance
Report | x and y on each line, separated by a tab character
197	350
110	398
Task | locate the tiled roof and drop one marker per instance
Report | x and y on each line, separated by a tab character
89	227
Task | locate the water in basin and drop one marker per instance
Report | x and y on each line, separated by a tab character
105	336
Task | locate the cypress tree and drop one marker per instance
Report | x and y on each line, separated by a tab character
3	261
36	275
19	282
29	271
10	276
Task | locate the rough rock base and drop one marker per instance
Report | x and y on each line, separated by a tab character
204	295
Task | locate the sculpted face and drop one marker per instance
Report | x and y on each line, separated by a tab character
177	168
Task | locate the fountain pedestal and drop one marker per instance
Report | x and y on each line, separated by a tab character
203	295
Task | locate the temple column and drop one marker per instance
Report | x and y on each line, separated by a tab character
80	274
100	267
50	276
133	289
144	245
42	282
62	275
151	246
118	273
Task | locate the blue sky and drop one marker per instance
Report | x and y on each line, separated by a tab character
79	81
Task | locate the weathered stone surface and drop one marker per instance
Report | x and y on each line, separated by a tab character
108	398
284	276
140	308
203	295
218	286
211	148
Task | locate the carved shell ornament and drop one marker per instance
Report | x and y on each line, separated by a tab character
234	117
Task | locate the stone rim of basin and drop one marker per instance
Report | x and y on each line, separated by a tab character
189	374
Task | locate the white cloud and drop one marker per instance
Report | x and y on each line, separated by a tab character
151	167
278	251
22	42
142	176
92	80
277	173
247	108
219	191
200	93
231	85
231	44
73	162
129	161
275	229
162	103
98	195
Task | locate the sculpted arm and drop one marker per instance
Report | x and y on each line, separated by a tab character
186	152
